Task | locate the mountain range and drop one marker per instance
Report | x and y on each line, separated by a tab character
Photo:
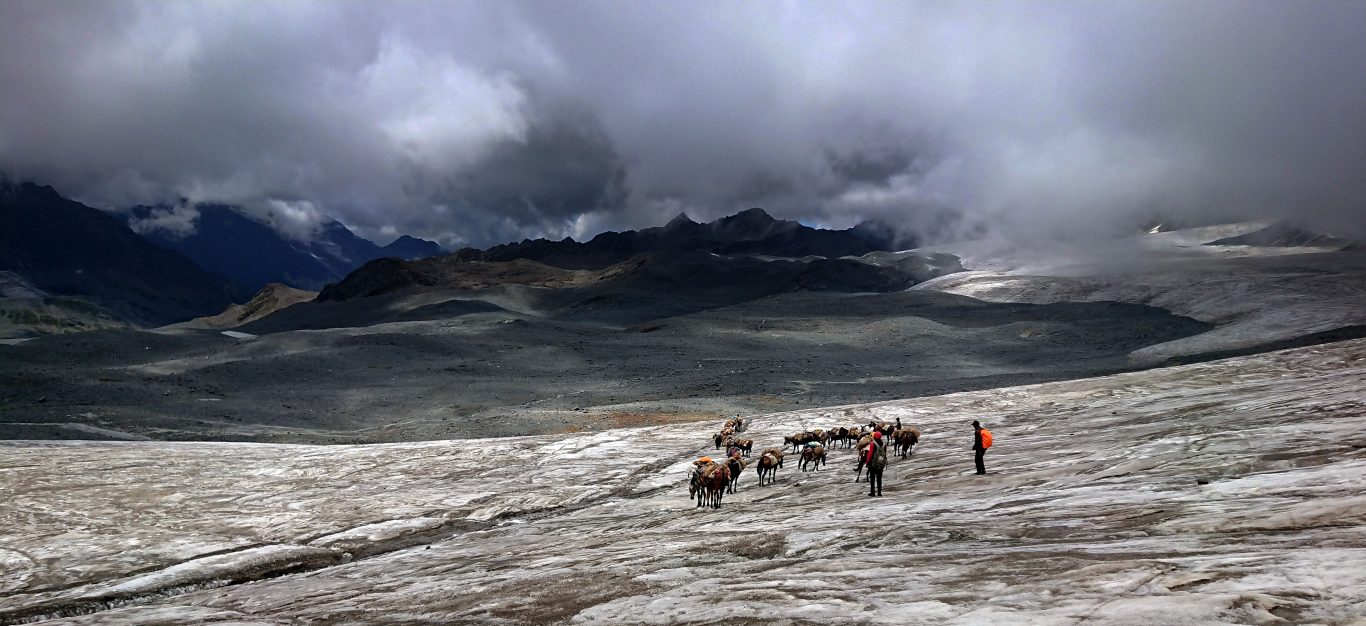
227	241
81	267
150	269
753	231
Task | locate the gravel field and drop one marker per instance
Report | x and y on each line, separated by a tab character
501	373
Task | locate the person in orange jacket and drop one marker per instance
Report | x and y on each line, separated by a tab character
978	447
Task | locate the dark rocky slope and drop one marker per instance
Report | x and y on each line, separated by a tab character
68	249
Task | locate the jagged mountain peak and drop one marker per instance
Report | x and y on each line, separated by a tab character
679	221
409	247
751	214
30	191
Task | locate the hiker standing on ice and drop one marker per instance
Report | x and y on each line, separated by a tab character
876	461
981	440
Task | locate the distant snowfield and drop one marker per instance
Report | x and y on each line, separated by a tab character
1255	294
1223	492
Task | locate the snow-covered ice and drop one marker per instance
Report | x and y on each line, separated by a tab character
1255	295
1222	492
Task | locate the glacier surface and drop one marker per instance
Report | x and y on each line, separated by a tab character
1222	492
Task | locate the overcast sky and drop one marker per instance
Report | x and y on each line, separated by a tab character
476	123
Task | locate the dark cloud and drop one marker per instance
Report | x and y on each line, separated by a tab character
538	186
480	122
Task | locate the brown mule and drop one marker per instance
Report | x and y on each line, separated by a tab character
813	456
769	462
715	483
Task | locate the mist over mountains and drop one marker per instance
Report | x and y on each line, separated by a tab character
65	248
56	247
480	124
752	231
234	254
224	240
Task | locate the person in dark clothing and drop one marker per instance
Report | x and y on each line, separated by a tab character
876	461
977	446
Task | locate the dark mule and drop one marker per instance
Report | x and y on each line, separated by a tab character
715	483
736	465
906	439
813	456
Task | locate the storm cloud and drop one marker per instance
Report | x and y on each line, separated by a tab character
476	123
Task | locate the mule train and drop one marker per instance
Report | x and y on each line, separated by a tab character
711	480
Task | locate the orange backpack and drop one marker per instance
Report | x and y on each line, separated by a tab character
986	439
